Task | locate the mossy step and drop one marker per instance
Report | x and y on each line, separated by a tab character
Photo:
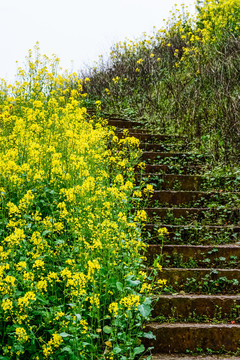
190	357
198	232
197	306
192	234
182	337
173	181
214	214
171	227
171	197
157	156
189	182
127	124
201	280
121	118
132	132
164	147
173	169
208	255
153	138
191	237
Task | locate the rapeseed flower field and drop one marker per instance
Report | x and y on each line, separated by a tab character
71	279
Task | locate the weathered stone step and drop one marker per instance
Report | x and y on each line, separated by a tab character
175	212
202	280
214	214
172	197
164	147
173	169
170	227
132	132
191	357
126	124
119	117
209	306
202	254
152	138
187	197
179	337
191	237
173	157
174	181
189	182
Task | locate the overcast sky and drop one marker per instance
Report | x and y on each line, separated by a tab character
77	31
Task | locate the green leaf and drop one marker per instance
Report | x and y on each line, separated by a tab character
119	286
149	335
117	350
67	349
59	242
78	316
133	283
145	310
86	343
64	334
42	299
107	329
139	350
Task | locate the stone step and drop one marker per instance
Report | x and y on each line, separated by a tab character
191	357
197	306
132	132
172	181
173	157
201	280
173	169
102	113
191	237
153	138
197	227
189	234
189	182
126	124
164	147
202	255
182	337
213	214
171	197
119	117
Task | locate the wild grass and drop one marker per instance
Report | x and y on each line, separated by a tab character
183	78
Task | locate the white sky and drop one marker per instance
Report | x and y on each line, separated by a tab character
77	31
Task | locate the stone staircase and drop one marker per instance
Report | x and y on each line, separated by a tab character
198	312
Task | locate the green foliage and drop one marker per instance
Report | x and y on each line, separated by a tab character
182	79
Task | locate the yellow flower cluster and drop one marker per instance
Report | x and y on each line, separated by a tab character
52	344
21	334
162	231
130	302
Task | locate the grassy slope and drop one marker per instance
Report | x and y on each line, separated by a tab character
182	79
